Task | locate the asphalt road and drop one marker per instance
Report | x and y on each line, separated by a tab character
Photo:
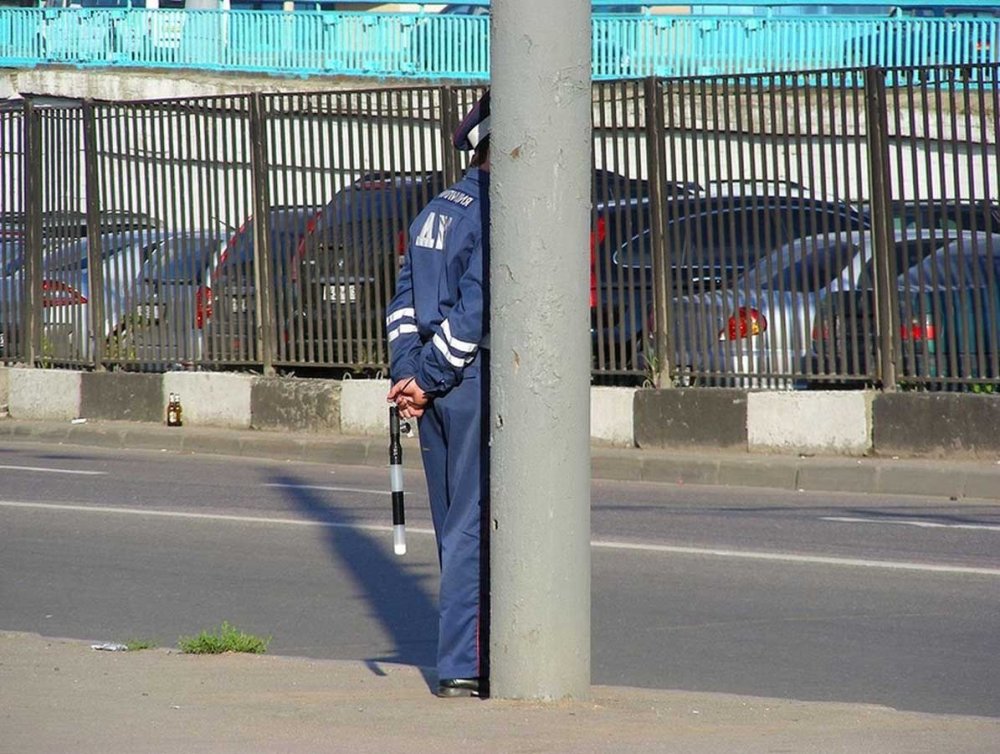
802	596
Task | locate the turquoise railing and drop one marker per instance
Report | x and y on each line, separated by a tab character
426	45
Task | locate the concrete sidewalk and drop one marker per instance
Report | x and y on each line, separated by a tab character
947	478
59	695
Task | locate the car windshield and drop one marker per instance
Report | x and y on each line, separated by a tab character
180	260
287	225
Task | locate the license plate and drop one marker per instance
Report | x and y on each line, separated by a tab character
149	311
340	294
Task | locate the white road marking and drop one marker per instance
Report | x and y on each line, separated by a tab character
203	516
921	524
782	557
598	544
47	470
328	489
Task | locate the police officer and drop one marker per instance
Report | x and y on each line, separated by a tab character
436	326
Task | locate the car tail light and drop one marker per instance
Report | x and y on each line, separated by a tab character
58	293
401	244
746	323
918	330
202	306
597	237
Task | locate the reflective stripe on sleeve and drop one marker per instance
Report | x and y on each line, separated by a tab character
462	346
402	329
455	361
408	311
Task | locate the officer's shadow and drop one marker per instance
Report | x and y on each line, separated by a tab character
394	590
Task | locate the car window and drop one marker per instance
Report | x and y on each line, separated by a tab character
950	216
67	257
179	259
908	252
814	221
959	264
727	240
807	266
731	238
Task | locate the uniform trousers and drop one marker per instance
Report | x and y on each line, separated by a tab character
456	465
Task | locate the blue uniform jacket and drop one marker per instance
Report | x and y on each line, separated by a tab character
436	322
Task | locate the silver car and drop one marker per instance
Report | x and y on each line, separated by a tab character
758	332
67	295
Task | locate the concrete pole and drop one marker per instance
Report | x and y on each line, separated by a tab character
540	192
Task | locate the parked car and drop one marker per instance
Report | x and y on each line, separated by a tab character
226	303
69	224
58	228
758	331
348	260
67	294
948	312
164	308
347	263
710	239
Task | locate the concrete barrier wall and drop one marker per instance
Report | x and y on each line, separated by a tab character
43	394
846	423
836	423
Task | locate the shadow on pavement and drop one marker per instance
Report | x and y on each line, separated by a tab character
396	595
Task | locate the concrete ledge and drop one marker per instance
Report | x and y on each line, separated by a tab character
215	399
43	394
682	418
810	422
295	404
937	424
363	408
612	416
120	396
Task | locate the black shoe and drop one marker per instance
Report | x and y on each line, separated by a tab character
452	687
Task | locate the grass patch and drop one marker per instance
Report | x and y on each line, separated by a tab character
227	638
134	645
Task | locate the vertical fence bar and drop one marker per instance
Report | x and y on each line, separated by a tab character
94	257
656	167
887	319
262	253
32	170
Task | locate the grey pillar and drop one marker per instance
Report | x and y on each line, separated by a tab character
540	359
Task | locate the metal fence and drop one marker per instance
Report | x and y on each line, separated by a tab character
819	235
429	45
753	230
255	231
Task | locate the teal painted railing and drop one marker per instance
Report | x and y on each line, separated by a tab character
427	45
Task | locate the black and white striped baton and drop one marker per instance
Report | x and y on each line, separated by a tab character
396	483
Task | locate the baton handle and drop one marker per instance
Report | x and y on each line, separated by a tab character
396	483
